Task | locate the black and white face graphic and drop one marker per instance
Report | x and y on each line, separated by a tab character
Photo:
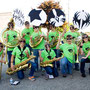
37	17
81	19
56	17
18	17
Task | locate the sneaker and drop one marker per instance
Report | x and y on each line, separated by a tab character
83	75
51	76
32	78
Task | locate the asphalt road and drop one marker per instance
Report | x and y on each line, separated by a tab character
59	83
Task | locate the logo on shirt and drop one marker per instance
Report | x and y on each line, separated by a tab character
28	33
70	50
87	48
14	36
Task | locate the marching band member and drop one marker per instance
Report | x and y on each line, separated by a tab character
74	35
52	37
9	36
85	48
72	32
2	54
35	38
47	55
21	53
69	50
26	33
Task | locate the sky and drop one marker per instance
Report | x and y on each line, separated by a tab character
69	6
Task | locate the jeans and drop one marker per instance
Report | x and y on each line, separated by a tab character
66	66
9	53
57	55
51	71
30	48
20	73
82	65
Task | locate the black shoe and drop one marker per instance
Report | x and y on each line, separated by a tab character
64	75
83	75
89	71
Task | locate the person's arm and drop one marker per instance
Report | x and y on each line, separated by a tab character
12	59
27	53
87	55
81	51
59	40
41	59
31	39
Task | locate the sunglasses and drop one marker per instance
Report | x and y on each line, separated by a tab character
84	37
35	27
22	41
69	38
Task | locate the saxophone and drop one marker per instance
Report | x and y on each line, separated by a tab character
20	66
48	63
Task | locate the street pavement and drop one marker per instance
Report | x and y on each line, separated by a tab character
75	83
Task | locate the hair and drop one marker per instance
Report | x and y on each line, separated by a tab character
68	36
26	23
22	39
10	24
35	26
72	26
47	45
84	36
1	44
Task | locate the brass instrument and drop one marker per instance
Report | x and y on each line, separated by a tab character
36	42
20	66
48	63
11	44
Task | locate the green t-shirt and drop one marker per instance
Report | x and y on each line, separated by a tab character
1	53
11	37
86	48
45	54
73	34
28	33
69	51
20	55
42	43
53	35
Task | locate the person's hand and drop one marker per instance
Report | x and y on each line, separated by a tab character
84	57
7	34
31	37
24	34
26	51
12	66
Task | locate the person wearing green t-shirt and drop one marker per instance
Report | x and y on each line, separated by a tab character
10	35
46	55
74	35
1	58
85	48
72	32
1	54
52	37
26	33
20	54
69	50
37	41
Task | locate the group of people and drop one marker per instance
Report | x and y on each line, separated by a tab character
45	48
